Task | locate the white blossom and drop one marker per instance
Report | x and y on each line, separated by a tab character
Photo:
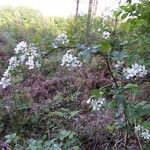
106	35
20	47
99	30
24	55
144	133
22	58
69	60
13	61
96	104
132	17
30	63
7	73
5	82
60	40
136	70
134	12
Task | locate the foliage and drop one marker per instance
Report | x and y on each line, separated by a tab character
58	107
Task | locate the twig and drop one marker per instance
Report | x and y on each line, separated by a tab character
108	144
137	136
109	68
138	139
126	138
67	47
105	58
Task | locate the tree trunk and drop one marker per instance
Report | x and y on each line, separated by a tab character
129	1
77	9
95	3
89	17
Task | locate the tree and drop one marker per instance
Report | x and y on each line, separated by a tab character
94	11
77	8
129	1
89	17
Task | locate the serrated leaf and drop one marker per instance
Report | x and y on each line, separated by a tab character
120	97
141	103
133	88
119	56
112	105
147	106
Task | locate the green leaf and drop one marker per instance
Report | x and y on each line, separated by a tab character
119	56
97	93
141	103
124	15
147	106
106	47
85	55
112	105
124	43
132	88
120	97
146	125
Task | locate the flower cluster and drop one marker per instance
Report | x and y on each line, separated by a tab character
136	70
60	40
144	133
69	60
106	35
96	104
5	82
24	54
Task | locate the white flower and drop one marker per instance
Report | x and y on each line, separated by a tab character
96	104
60	40
70	61
7	72
5	82
136	70
134	12
33	50
144	133
88	101
132	17
13	62
20	47
99	30
30	63
106	35
22	58
23	52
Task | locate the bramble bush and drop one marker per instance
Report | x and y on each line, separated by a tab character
44	111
